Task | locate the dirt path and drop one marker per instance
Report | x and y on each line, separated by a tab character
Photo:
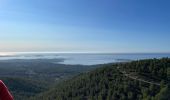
136	78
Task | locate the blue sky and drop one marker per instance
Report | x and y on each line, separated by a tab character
85	26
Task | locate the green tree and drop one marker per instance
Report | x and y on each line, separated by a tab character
168	73
163	94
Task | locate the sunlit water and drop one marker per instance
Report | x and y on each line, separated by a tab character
84	59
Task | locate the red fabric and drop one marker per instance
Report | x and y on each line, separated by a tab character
4	93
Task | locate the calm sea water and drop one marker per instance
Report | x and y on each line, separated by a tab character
86	59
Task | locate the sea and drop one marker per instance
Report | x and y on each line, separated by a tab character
84	58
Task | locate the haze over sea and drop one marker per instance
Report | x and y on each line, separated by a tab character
84	58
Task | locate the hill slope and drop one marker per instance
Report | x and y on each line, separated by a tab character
124	81
22	88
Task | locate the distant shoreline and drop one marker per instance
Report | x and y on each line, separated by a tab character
82	58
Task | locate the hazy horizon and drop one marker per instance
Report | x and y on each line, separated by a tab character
12	53
79	58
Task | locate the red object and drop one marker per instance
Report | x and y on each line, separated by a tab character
4	92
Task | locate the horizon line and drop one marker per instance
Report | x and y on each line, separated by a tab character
85	52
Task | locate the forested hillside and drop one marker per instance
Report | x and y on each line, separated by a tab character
29	77
156	69
138	80
22	88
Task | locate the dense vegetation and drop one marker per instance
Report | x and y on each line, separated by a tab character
26	78
22	88
109	83
137	80
157	69
40	69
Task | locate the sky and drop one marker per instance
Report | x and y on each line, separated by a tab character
110	26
